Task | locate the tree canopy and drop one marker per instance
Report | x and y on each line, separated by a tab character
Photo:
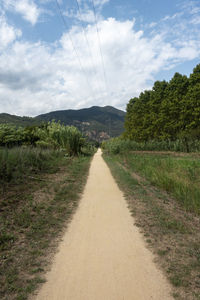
170	110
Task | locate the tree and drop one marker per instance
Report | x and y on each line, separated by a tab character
170	110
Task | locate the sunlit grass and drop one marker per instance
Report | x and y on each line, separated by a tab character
179	176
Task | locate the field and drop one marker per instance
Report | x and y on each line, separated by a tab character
39	192
162	190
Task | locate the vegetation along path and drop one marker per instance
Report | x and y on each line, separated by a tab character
103	255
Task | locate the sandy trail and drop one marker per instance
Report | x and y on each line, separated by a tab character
103	255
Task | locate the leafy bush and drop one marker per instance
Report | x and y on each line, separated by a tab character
47	136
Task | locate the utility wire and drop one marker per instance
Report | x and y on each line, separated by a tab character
74	48
86	39
100	49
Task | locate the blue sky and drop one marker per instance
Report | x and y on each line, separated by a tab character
52	58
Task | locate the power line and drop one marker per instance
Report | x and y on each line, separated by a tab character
74	48
100	49
86	39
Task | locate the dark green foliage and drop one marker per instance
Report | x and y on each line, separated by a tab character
170	111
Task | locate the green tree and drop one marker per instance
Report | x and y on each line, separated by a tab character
169	111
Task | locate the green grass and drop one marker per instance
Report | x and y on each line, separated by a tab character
127	182
18	163
120	145
179	176
170	230
33	215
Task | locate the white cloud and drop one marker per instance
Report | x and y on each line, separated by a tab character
86	16
27	8
100	3
192	7
152	24
36	77
7	33
172	17
195	20
86	13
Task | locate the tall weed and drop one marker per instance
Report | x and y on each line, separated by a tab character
16	163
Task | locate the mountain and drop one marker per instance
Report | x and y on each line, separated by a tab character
18	121
97	123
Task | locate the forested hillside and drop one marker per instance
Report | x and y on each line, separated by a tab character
17	120
169	111
96	123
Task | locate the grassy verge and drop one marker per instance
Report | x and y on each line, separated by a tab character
120	145
171	231
178	175
34	212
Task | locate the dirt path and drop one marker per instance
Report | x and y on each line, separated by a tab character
103	255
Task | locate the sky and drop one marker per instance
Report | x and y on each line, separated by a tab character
72	54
